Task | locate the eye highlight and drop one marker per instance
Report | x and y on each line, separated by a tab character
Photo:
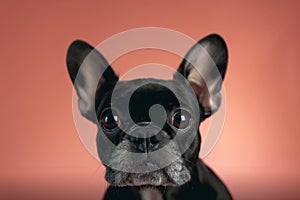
181	119
109	121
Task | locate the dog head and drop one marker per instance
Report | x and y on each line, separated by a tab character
143	116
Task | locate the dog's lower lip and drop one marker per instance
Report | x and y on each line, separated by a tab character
155	179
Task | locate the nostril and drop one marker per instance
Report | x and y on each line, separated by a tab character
144	145
153	140
140	140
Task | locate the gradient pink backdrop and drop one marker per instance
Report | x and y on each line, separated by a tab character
40	152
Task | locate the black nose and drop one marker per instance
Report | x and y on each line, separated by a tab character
144	137
144	145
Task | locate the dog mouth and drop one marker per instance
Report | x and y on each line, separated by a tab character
157	178
173	175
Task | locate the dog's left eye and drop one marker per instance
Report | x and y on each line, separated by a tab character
181	119
109	121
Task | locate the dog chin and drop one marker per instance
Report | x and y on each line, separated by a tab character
169	176
157	178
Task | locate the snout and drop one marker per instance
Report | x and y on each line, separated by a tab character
147	137
175	174
147	156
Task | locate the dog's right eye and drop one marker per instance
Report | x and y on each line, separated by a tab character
109	121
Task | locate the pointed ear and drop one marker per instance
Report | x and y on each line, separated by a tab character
90	73
204	67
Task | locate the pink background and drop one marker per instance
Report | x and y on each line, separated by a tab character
41	156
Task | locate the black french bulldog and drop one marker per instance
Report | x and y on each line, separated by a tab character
186	177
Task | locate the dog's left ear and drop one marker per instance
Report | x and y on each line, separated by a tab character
91	75
209	57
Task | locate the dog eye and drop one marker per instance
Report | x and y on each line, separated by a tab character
109	121
181	119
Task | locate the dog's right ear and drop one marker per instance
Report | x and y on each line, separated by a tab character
90	73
